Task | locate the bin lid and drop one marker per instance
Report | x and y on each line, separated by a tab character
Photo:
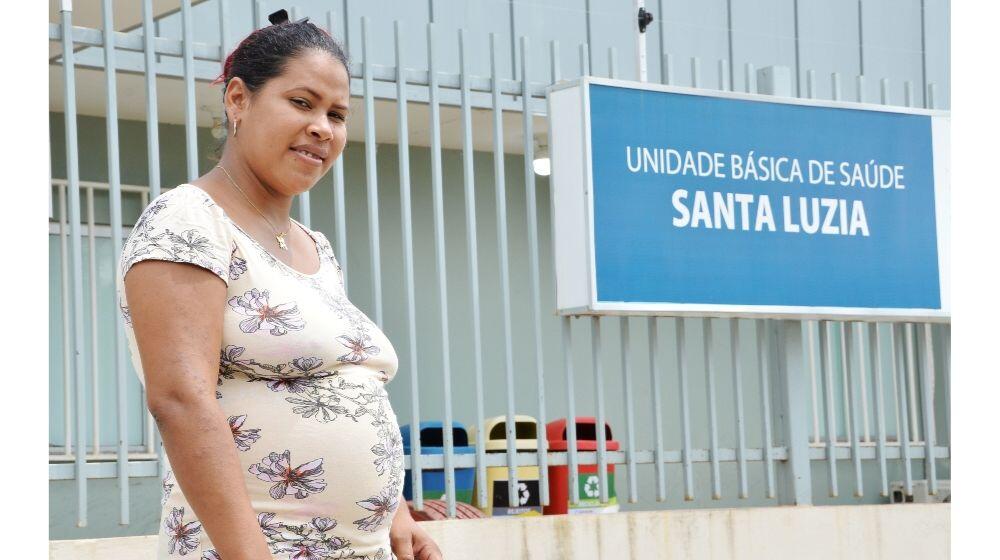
495	428
586	435
432	437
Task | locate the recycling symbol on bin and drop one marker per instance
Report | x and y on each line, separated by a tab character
524	494
590	487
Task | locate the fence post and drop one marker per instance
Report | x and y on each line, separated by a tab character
790	398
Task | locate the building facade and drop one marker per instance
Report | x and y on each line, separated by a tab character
899	48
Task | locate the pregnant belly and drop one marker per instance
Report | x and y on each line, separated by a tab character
325	447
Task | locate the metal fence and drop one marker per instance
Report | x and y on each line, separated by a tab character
824	392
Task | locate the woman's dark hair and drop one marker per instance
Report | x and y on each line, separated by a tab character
265	53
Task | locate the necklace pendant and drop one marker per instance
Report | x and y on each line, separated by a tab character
281	241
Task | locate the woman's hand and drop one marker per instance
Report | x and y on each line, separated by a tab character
409	540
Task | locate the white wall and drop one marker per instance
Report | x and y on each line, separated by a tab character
884	532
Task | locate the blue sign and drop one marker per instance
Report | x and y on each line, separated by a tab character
715	200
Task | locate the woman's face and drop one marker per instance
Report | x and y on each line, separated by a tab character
304	108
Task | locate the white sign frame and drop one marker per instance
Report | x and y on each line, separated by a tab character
571	200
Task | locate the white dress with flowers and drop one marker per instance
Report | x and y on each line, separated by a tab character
301	379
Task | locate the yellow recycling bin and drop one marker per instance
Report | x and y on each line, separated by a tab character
529	499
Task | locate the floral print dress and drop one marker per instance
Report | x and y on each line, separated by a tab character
301	379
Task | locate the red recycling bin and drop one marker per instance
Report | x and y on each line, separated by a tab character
586	440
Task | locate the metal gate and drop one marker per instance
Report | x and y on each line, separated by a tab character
812	394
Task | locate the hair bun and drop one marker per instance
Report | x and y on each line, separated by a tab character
281	16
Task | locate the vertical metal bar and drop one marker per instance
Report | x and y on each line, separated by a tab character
260	13
472	246
764	367
927	392
152	118
923	44
798	59
95	370
584	59
899	372
713	427
160	452
304	211
911	380
640	46
884	91
574	465
667	73
633	490
724	84
339	205
150	437
302	198
437	192
602	444
554	64
908	93
813	378
895	392
339	210
587	11
737	368
73	176
513	45
536	304
406	207
946	377
931	97
654	384
749	79
555	69
879	408
48	159
863	382
861	39
695	72
223	29
501	208
826	351
788	358
851	395
67	320
810	84
682	366
371	177
835	85
347	27
190	121
612	62
841	337
861	89
115	200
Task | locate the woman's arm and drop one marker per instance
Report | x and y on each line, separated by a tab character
177	311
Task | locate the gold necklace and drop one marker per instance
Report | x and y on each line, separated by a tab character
280	237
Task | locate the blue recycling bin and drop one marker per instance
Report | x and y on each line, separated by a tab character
432	443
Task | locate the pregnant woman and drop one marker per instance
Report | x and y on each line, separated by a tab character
266	383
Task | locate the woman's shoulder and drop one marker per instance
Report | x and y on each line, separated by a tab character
184	195
185	205
181	225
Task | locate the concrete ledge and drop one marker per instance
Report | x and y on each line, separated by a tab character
910	531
